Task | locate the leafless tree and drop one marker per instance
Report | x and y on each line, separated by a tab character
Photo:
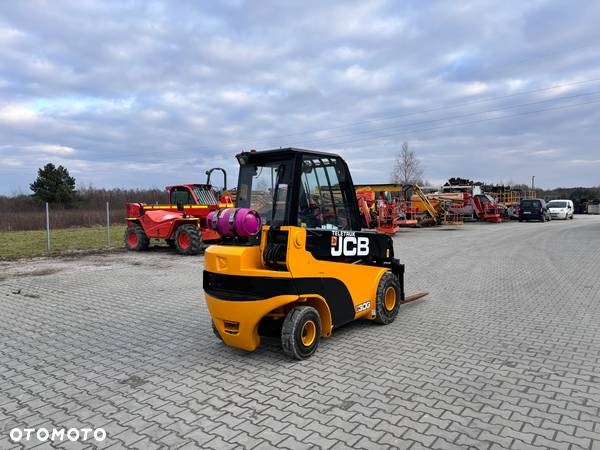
407	168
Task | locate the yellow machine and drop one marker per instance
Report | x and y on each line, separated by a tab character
311	268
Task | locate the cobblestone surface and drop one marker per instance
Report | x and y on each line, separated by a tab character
503	354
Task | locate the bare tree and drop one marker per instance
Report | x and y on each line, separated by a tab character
407	168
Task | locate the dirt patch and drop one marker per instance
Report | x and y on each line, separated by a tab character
32	273
87	262
47	266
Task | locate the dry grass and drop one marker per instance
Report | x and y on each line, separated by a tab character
22	213
59	219
27	244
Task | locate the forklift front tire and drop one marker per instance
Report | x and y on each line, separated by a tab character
301	332
388	299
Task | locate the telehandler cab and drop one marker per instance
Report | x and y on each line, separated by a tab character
309	268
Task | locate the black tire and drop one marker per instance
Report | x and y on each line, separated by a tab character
188	239
215	331
135	238
520	220
387	302
301	332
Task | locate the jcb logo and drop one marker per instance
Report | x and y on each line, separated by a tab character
349	246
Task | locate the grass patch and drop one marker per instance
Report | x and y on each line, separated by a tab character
27	244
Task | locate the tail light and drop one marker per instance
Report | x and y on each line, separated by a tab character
231	327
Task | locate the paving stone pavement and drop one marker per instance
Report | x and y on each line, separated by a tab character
504	353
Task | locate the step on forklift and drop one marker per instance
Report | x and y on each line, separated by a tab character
294	259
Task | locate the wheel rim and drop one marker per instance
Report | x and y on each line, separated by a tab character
184	240
132	238
390	298
308	333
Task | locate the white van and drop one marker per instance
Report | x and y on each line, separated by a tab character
561	209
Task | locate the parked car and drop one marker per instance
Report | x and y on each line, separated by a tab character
533	209
561	209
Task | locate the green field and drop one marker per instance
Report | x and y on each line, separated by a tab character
27	244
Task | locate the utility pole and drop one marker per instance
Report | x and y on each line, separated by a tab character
532	178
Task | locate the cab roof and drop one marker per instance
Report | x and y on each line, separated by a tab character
188	185
281	153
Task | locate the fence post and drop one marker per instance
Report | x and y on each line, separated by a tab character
48	226
107	225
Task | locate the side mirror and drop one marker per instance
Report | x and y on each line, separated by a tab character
180	206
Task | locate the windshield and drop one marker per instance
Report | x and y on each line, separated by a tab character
557	205
264	188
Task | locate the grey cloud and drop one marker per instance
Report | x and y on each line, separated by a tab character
151	93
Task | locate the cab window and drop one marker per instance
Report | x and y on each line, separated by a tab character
264	188
181	195
322	203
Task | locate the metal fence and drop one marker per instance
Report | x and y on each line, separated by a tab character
49	234
50	230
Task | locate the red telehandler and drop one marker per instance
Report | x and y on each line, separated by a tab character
181	223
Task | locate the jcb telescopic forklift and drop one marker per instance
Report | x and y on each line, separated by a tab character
310	268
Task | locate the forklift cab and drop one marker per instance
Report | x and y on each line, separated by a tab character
313	191
302	188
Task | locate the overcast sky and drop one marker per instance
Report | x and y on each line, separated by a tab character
144	94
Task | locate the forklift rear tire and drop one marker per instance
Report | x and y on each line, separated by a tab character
188	239
216	331
135	238
301	332
388	299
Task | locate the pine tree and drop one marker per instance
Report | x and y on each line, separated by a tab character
54	185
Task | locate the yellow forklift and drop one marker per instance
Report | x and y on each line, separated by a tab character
295	260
